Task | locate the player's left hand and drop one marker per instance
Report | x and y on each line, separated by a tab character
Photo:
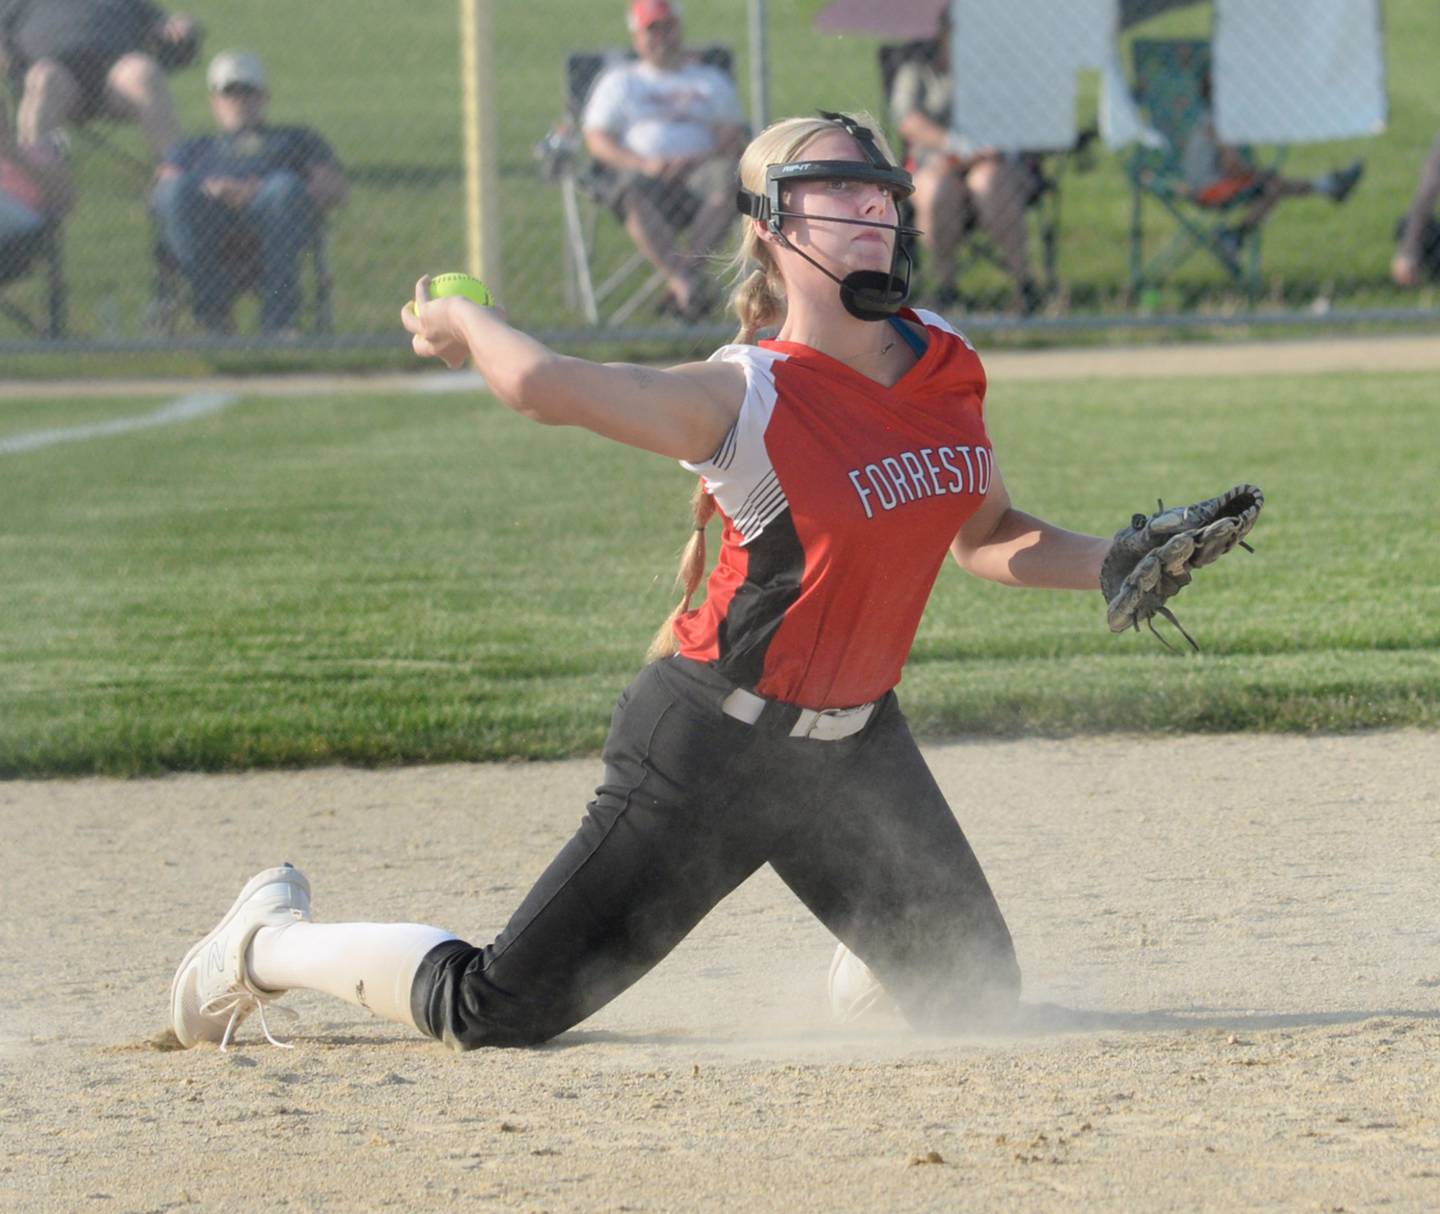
1151	560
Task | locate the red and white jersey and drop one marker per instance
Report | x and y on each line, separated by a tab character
840	498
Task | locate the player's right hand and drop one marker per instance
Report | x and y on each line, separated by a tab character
431	324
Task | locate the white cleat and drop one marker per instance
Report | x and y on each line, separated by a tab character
213	991
854	990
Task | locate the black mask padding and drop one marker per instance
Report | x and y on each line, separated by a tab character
873	295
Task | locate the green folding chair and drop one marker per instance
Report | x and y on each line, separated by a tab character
1170	90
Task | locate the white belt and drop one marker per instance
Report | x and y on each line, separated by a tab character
824	724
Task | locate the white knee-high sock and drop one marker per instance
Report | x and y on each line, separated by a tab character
369	964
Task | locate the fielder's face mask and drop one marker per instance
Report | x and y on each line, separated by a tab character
866	294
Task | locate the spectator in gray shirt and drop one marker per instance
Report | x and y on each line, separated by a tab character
69	60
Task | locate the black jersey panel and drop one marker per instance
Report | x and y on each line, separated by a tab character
772	583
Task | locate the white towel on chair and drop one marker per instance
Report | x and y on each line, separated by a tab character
1297	71
1014	66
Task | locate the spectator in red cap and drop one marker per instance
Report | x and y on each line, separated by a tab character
670	128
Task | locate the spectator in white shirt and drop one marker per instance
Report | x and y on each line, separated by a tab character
670	129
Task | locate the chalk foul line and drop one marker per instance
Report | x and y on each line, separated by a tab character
187	408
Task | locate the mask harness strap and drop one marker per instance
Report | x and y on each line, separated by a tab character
868	294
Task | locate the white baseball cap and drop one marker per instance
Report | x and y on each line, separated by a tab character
236	67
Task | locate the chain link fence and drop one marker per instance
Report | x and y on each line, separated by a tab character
90	267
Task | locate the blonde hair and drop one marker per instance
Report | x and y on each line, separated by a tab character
758	300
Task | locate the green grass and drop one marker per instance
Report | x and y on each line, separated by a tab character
382	83
417	578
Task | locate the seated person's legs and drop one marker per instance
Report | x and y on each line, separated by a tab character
713	183
51	96
1335	185
283	219
711	186
1001	187
1270	190
195	227
136	91
654	212
941	209
1417	255
1265	190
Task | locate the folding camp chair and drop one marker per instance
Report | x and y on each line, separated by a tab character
583	185
1042	203
17	262
169	287
1171	91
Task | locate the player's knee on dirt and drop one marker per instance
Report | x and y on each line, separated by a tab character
454	1001
977	991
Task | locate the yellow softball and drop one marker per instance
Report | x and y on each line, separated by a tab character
467	285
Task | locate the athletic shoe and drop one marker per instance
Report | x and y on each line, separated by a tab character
213	991
1343	182
854	990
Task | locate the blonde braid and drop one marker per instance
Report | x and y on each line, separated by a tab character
758	302
689	575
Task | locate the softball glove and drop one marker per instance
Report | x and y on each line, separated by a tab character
1150	560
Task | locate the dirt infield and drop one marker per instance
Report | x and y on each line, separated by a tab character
1232	957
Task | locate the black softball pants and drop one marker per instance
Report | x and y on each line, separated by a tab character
693	802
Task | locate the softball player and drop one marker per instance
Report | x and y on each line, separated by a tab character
845	458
